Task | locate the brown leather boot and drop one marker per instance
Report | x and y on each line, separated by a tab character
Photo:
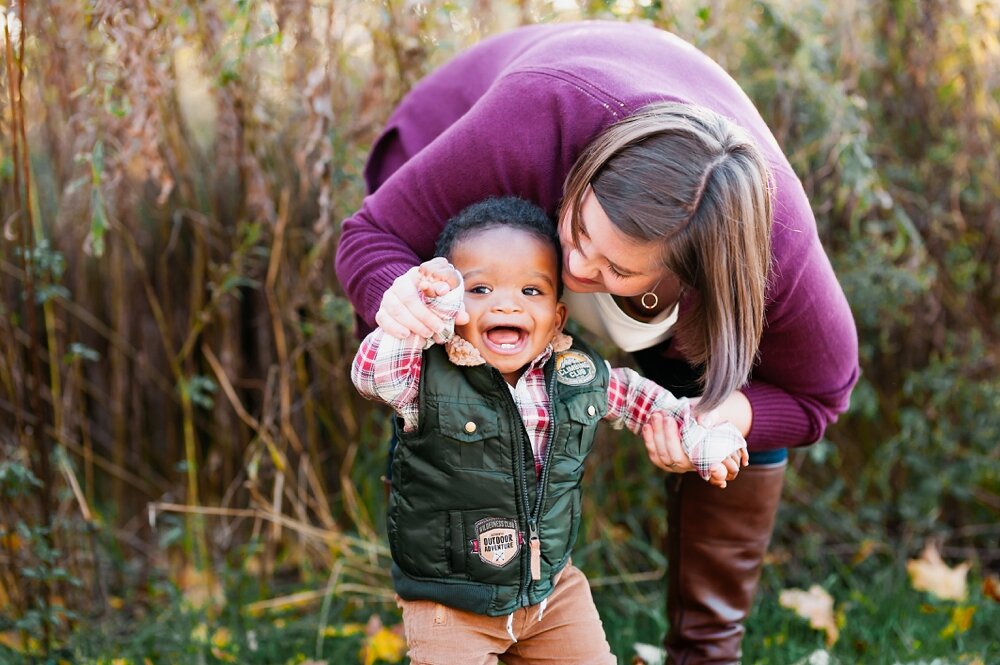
716	541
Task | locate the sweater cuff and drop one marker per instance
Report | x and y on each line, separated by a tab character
378	282
778	419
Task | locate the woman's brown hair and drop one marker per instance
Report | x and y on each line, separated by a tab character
692	181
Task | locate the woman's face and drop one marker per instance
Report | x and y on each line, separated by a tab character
605	260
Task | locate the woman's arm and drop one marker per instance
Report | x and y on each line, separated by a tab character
519	139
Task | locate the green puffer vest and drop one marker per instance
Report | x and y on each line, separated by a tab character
465	500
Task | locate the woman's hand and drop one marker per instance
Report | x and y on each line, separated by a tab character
663	446
403	313
662	437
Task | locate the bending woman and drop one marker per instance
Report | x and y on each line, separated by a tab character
687	239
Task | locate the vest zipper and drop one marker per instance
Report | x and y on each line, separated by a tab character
534	542
534	569
515	416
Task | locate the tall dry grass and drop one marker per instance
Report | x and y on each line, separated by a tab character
173	174
176	348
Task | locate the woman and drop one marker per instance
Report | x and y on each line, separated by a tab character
687	240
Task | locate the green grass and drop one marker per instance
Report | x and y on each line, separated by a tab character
882	620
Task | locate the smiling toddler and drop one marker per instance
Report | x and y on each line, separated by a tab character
498	415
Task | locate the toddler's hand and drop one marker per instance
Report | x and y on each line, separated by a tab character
719	474
437	277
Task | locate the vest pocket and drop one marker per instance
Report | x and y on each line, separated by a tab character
418	539
585	413
456	532
471	433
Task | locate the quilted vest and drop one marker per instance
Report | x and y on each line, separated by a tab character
466	508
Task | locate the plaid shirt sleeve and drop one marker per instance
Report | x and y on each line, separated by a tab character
387	369
632	399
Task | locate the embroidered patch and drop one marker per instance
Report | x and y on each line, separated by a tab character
497	541
574	368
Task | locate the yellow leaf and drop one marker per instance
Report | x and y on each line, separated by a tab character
221	638
961	621
199	634
221	645
200	587
815	605
343	631
385	645
115	602
929	573
866	549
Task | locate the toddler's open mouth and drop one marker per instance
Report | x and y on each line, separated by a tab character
505	339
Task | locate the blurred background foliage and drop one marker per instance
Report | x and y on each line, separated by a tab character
174	348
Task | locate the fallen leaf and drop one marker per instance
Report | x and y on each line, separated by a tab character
345	630
201	588
648	654
382	644
818	657
865	550
991	587
961	621
815	605
222	645
929	573
199	634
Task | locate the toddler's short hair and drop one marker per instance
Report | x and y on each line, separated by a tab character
501	211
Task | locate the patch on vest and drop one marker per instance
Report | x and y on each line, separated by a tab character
497	541
575	368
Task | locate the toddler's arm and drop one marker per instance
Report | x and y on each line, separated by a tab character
386	368
632	402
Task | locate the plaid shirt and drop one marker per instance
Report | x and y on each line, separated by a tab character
388	369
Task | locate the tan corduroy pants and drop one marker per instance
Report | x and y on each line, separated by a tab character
563	630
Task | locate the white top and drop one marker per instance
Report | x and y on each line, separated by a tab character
598	313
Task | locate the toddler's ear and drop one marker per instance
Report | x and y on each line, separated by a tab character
562	314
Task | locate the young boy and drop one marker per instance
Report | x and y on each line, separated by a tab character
497	420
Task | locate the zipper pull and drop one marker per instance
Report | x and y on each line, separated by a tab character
535	549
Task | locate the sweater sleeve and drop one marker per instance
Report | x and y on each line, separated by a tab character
520	138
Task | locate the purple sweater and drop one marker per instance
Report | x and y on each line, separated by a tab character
510	116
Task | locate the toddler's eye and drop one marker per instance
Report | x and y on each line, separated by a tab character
480	290
531	291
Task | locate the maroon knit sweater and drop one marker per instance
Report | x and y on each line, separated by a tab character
511	115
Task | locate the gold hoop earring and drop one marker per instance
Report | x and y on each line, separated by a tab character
650	294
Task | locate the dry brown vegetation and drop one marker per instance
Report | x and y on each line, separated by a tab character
172	337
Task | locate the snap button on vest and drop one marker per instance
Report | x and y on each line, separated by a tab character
591	410
470	426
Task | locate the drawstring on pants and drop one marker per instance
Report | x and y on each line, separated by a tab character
510	618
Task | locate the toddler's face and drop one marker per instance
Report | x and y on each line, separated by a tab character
511	282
